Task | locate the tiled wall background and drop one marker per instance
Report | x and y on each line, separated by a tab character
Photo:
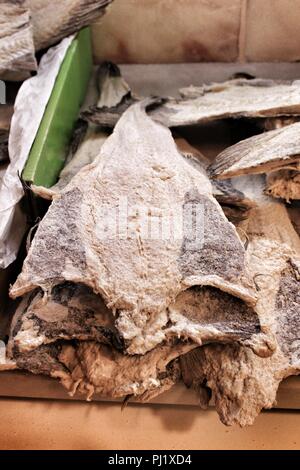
159	31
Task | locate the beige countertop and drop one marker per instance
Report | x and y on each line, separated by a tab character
49	424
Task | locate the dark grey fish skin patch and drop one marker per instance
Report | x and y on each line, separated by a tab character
224	312
204	252
47	258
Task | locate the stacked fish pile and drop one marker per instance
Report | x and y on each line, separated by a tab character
147	270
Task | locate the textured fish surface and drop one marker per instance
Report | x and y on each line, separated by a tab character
52	21
139	271
261	153
241	382
16	42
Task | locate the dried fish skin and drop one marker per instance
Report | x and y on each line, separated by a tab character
137	275
284	183
72	312
107	117
241	382
233	99
16	41
205	315
259	154
258	98
52	21
115	97
112	374
111	85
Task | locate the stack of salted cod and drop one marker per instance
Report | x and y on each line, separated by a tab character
241	382
128	271
255	99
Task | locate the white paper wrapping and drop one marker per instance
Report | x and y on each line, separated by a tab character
30	105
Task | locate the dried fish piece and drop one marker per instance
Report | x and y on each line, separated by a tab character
284	183
235	204
52	21
101	369
108	116
115	97
205	314
241	382
73	312
138	272
259	154
42	341
257	98
235	98
112	87
43	332
16	41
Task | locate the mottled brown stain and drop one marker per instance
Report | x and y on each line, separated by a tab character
123	52
195	51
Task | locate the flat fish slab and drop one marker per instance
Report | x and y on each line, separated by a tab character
259	154
52	21
233	99
242	384
72	312
138	179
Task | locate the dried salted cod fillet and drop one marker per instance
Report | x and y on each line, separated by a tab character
241	382
86	153
235	204
259	154
5	362
205	314
256	98
89	367
73	312
139	177
234	98
111	85
284	183
16	41
96	368
115	97
52	21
